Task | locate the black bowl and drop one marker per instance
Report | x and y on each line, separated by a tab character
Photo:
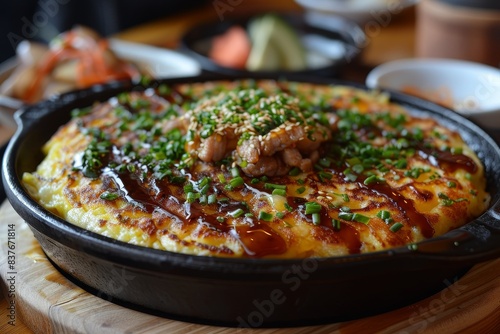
335	43
249	292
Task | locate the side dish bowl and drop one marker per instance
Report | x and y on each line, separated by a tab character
329	44
248	292
472	89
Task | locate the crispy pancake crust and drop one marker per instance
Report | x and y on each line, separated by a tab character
140	168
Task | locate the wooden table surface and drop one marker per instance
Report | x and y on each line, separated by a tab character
387	42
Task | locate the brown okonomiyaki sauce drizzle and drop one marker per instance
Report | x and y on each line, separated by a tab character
448	161
256	235
258	239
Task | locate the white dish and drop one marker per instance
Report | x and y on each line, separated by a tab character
159	62
473	88
358	10
163	63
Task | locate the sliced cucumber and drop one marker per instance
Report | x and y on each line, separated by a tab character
264	55
275	45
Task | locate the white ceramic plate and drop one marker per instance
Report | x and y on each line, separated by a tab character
163	63
160	63
474	88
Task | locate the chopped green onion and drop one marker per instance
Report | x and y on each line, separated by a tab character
345	209
280	215
178	180
280	192
316	219
360	218
204	182
236	182
396	227
188	188
349	175
221	178
235	172
372	179
212	199
294	171
205	189
274	186
301	190
109	196
336	224
312	207
358	169
325	162
203	199
346	215
236	213
191	197
265	216
384	214
325	176
401	164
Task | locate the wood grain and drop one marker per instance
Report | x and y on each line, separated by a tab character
46	302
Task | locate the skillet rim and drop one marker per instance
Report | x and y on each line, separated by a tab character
472	243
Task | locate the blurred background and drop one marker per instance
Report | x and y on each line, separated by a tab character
343	39
42	20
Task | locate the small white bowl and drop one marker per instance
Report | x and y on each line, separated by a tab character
358	10
469	88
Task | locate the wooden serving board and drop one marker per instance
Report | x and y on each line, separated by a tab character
46	302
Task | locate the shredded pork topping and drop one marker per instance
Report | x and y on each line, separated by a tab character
264	134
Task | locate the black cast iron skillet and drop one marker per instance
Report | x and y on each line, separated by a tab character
248	292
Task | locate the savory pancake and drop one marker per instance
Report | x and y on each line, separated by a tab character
259	169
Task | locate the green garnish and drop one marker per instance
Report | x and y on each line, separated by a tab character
373	179
274	186
236	213
235	183
395	227
336	224
294	171
280	192
384	214
446	201
312	207
357	217
316	219
265	216
346	215
109	196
